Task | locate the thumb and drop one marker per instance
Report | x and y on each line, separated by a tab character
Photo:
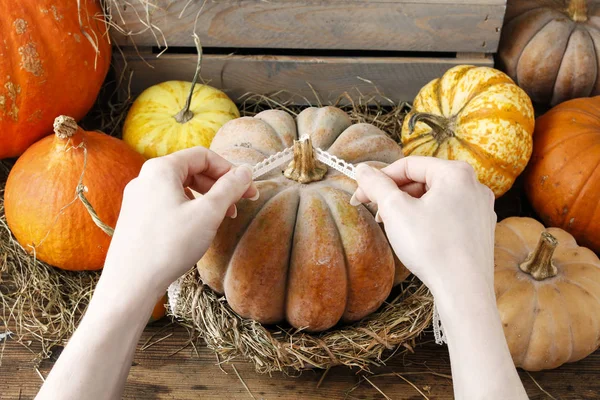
226	191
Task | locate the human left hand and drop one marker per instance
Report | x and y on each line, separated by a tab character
162	231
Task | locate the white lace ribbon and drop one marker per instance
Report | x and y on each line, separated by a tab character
268	165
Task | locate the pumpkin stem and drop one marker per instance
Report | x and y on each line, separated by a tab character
186	114
577	10
305	168
65	127
440	126
539	263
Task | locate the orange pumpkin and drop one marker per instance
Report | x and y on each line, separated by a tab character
159	310
301	252
40	199
562	180
548	294
53	60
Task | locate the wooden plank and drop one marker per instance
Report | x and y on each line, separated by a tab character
398	25
159	374
397	78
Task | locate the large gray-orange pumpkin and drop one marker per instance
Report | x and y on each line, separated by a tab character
551	48
301	252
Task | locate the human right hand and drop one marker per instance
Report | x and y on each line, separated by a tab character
439	219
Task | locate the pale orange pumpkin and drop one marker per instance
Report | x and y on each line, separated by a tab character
301	252
41	204
477	115
548	294
54	57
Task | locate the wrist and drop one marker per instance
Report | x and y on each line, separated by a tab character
123	300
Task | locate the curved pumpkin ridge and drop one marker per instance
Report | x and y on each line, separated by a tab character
578	306
536	70
213	265
574	206
560	217
578	68
364	142
282	123
323	125
317	278
256	279
534	23
551	330
544	152
514	306
369	258
473	87
448	86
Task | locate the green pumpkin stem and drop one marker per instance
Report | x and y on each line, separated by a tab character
577	10
440	126
539	263
305	168
186	114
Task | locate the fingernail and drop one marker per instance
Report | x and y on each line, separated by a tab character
363	169
378	218
255	197
234	212
244	172
354	201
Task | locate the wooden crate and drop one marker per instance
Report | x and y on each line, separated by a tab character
326	47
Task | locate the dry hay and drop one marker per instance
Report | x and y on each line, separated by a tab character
367	343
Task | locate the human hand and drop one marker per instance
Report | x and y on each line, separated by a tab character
162	231
439	219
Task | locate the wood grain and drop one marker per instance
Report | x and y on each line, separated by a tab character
398	79
399	25
156	374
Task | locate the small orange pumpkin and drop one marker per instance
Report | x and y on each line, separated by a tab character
159	310
40	199
54	56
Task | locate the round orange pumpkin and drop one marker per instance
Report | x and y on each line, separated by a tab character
40	199
562	180
550	48
301	252
54	57
159	310
548	294
477	115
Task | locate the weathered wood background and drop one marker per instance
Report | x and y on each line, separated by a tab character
169	370
317	50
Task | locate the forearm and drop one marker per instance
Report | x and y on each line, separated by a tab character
482	367
96	361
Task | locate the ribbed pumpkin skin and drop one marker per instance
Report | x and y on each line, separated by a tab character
551	56
491	118
44	180
554	321
563	177
47	67
152	130
302	253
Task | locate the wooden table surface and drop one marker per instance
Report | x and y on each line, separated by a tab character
193	373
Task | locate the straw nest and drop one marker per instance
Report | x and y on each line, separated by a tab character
44	304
